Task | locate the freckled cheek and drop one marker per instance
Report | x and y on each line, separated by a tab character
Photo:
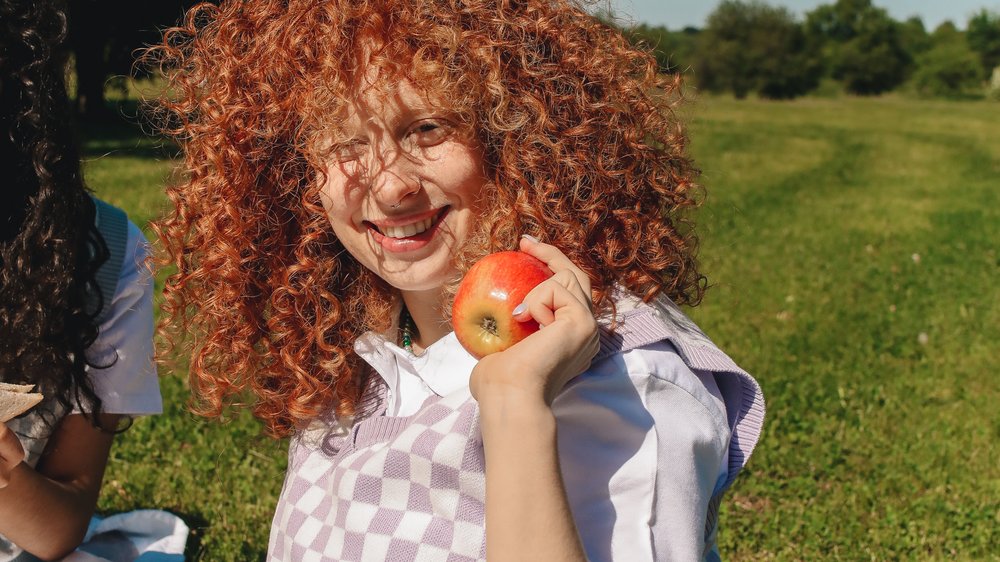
342	202
460	171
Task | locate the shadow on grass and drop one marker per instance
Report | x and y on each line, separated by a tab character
194	550
197	525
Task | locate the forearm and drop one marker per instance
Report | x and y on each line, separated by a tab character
43	516
45	510
527	512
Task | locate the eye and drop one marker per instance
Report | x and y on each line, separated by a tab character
348	151
428	132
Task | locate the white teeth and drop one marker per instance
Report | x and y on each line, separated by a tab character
407	230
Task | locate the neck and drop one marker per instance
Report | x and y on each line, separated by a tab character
426	310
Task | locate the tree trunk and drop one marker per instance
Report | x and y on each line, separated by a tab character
88	36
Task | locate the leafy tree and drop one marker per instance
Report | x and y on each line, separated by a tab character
983	33
862	44
914	36
946	32
674	50
754	47
950	69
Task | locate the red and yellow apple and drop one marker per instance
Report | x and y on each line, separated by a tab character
486	298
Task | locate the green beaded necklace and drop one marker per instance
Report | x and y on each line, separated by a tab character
406	328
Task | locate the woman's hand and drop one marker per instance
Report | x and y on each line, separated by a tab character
11	454
527	513
539	366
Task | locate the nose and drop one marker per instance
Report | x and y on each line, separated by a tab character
394	178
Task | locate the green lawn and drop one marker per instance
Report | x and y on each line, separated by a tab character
852	249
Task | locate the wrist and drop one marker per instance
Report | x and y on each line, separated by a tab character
512	406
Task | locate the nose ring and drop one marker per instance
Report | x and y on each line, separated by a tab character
416	189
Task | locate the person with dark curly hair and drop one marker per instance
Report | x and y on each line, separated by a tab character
76	311
345	163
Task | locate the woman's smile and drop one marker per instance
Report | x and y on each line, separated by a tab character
408	233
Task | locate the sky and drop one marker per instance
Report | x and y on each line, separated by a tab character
676	14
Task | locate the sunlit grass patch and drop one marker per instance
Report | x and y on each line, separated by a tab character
863	292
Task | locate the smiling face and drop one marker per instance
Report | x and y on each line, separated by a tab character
403	187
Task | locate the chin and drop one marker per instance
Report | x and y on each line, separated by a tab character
417	278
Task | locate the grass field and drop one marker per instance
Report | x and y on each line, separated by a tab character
852	248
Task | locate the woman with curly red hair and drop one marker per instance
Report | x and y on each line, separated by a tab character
346	161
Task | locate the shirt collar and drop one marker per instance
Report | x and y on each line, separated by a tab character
445	366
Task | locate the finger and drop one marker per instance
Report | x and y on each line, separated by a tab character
552	299
564	279
563	350
11	451
569	281
533	310
556	260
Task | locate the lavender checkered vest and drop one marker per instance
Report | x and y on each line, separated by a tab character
413	487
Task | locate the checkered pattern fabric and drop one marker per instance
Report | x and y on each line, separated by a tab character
406	488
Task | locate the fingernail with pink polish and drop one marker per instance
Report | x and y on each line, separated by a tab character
519	309
530	237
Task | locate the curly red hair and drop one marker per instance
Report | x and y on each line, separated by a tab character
581	144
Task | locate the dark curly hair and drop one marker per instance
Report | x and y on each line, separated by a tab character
581	145
50	249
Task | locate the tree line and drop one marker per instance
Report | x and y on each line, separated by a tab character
750	47
745	47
